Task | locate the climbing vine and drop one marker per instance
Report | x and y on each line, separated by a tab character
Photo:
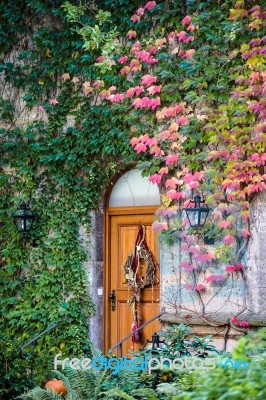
199	141
195	98
185	83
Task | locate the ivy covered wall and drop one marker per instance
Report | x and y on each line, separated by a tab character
72	84
61	171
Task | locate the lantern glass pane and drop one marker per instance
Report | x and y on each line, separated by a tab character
203	216
193	217
23	224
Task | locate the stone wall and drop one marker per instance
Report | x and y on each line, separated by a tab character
221	300
94	268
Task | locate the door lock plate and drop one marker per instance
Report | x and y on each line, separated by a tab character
112	297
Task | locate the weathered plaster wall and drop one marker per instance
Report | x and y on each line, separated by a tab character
256	261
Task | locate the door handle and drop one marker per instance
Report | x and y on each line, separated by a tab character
112	297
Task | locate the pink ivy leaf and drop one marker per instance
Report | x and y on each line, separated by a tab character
232	268
171	159
115	98
139	90
190	238
244	324
154	89
186	20
160	226
173	194
151	142
215	278
100	59
236	321
191	28
190	286
137	102
53	102
123	59
131	34
184	247
172	183
189	39
148	79
182	120
134	141
140	147
189	53
66	76
163	171
202	258
157	151
145	102
245	233
181	35
194	249
148	6
155	103
155	178
187	266
166	212
183	235
140	11
200	287
125	70
130	92
135	18
98	83
228	239
193	185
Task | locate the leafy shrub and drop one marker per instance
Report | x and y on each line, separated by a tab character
229	383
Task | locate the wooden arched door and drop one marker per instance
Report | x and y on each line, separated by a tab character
121	229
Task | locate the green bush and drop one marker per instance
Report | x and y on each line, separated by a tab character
229	383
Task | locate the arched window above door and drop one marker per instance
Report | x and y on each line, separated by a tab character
132	189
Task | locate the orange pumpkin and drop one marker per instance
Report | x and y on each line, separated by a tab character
57	386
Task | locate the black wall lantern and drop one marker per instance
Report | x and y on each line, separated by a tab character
155	342
23	219
197	213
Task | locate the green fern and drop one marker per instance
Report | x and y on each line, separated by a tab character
145	394
39	394
118	394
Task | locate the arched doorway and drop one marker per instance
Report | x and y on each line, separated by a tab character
132	204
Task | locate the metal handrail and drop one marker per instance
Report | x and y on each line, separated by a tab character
32	341
120	343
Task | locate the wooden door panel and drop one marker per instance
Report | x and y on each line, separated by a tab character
125	315
123	232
